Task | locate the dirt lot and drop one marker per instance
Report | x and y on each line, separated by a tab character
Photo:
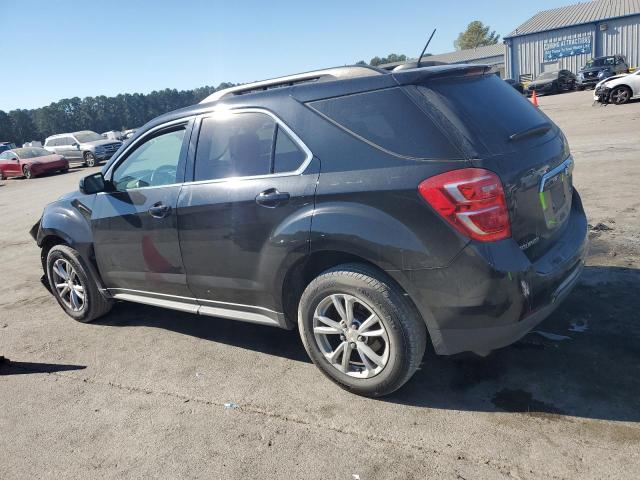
142	392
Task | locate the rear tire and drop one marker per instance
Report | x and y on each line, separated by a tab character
89	159
71	285
26	171
385	342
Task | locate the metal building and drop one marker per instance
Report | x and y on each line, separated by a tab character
565	38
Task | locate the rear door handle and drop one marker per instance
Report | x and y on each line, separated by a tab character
159	210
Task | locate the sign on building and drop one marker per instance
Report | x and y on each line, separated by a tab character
566	48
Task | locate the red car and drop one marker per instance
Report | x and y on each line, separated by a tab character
30	162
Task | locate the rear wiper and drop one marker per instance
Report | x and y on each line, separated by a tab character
529	132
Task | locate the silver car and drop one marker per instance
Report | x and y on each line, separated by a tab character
85	146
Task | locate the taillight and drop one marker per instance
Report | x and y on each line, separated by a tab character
470	199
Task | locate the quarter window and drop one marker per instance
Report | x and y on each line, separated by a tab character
390	120
153	163
287	155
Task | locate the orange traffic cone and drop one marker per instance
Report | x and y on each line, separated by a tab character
534	98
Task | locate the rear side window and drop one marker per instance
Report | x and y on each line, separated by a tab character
243	145
389	120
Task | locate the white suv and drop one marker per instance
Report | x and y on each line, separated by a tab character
85	146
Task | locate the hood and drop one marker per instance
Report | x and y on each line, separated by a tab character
540	83
45	159
609	79
104	141
594	69
72	195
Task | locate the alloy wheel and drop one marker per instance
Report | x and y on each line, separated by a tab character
68	285
620	95
351	336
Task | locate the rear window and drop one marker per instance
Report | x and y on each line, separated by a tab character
389	120
489	107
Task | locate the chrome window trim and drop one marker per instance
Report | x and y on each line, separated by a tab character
236	111
199	117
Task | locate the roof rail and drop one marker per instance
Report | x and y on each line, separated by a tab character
328	74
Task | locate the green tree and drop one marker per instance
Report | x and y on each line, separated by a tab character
23	126
391	58
7	134
476	35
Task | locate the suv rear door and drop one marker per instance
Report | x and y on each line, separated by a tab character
67	148
248	211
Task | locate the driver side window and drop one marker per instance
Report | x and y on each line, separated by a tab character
153	163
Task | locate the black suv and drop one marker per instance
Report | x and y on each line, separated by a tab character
599	68
373	210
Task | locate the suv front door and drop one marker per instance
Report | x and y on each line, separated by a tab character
134	224
248	213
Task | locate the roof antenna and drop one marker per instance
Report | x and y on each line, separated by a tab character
425	47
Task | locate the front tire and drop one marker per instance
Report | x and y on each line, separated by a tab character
26	171
360	329
620	95
71	285
89	159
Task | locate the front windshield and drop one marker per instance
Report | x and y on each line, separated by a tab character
31	152
84	137
547	76
601	62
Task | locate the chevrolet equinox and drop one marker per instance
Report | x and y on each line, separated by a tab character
372	210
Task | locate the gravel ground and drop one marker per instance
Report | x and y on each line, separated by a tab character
142	392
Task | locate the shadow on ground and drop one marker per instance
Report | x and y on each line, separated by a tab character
594	373
8	367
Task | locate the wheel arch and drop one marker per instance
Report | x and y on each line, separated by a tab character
300	275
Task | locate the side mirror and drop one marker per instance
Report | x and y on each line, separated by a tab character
15	159
93	183
75	144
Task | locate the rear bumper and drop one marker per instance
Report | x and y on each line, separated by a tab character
491	294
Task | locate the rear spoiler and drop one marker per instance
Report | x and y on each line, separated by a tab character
418	75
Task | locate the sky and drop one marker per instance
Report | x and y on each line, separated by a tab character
61	49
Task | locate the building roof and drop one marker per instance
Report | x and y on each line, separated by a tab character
577	14
459	56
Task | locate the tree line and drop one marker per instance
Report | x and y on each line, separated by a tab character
99	114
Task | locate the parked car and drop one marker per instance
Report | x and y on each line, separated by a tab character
32	143
515	84
127	134
30	162
113	135
6	146
372	210
86	146
552	82
618	89
600	68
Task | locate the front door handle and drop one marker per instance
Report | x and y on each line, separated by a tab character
272	198
159	210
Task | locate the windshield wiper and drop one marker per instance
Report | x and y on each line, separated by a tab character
529	132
